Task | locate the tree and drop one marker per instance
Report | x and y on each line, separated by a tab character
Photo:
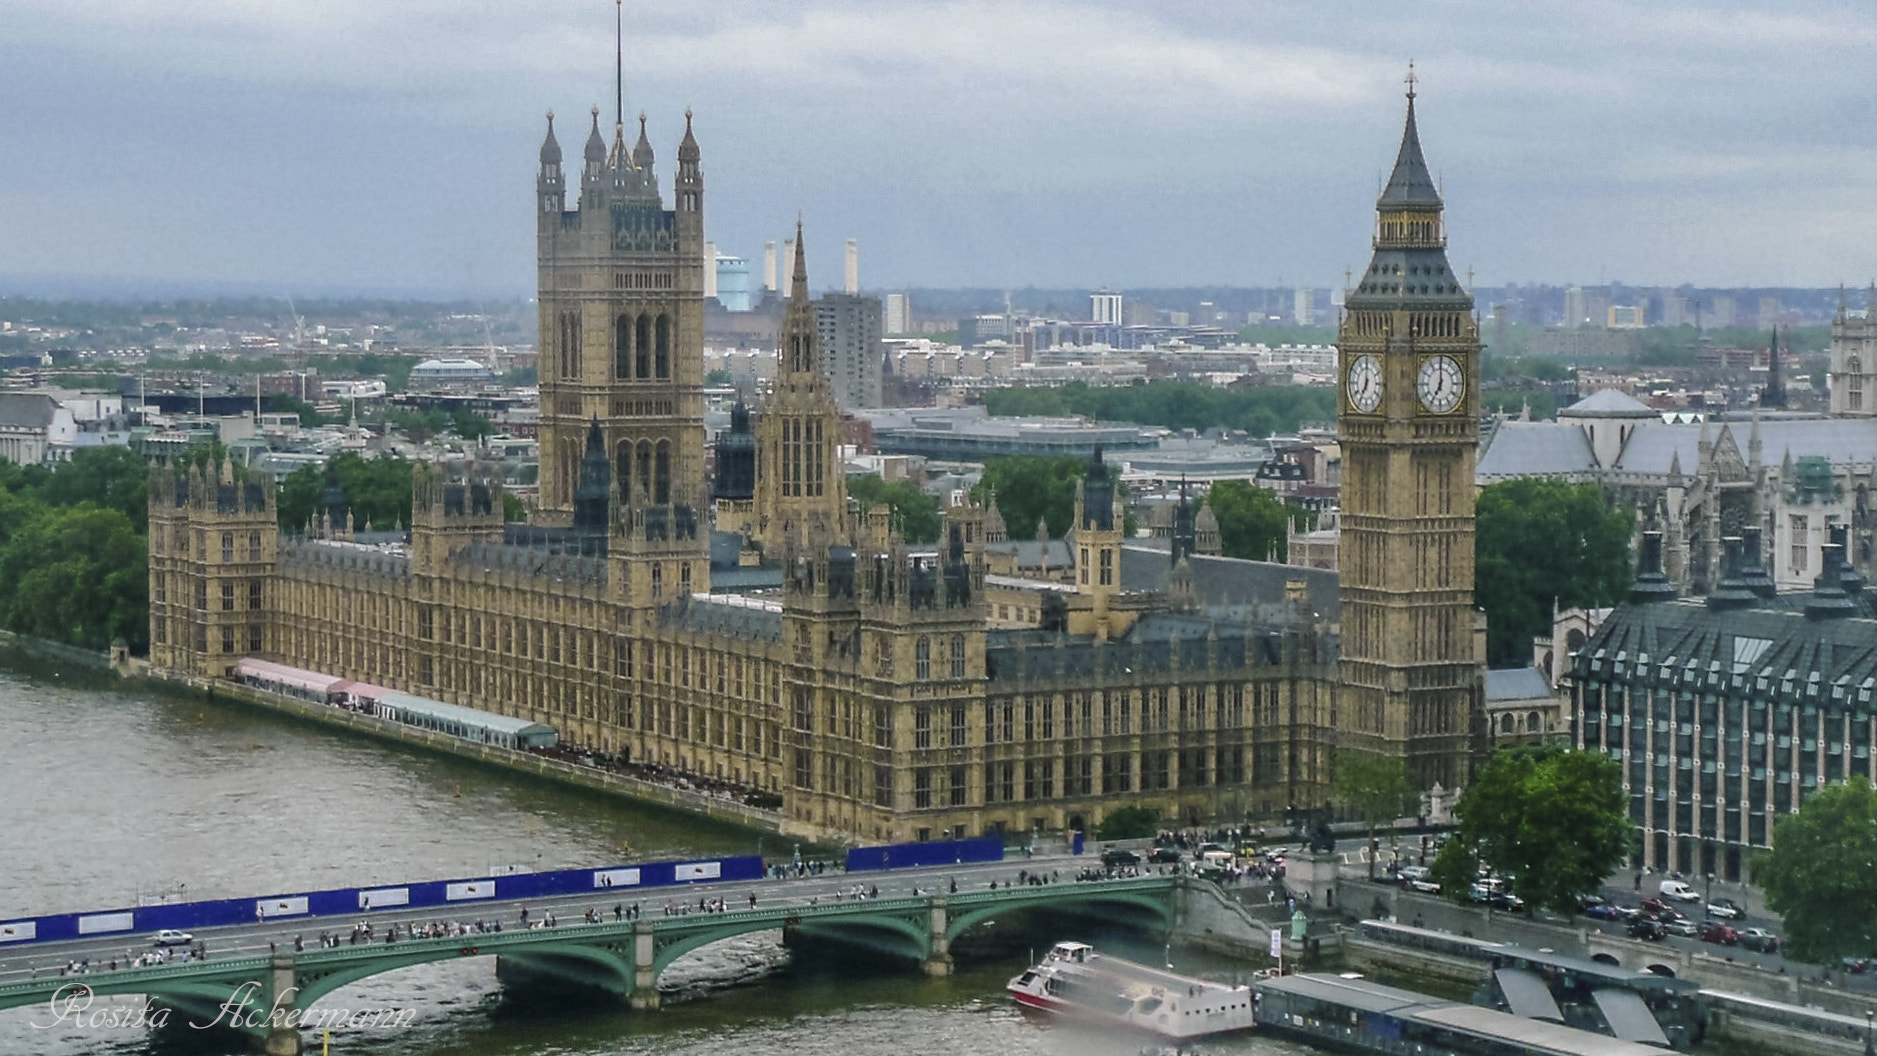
116	478
78	575
377	492
1030	488
1129	823
1374	787
1552	822
1539	542
916	512
1818	875
1252	520
513	509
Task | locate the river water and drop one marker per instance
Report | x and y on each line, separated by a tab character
111	797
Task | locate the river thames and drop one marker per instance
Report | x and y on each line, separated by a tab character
111	797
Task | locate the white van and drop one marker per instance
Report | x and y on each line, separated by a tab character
1678	890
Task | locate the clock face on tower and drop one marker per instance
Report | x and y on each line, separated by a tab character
1364	383
1440	384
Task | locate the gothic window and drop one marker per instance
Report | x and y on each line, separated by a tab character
228	639
684	588
228	596
622	347
662	481
921	658
662	364
1799	531
254	546
254	593
645	465
623	457
1107	567
658	580
922	728
958	786
642	347
958	726
228	548
958	656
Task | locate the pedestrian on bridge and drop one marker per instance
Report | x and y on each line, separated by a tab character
752	900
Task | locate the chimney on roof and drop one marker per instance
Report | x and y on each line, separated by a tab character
1753	565
1848	575
1828	600
1732	592
1651	585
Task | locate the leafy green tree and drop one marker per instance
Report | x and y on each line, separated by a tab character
77	574
1253	520
471	426
309	418
1551	822
1030	488
916	512
513	509
377	492
1540	541
1175	405
718	378
1129	823
1818	876
1373	787
116	478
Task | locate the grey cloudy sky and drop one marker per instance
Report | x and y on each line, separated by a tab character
388	145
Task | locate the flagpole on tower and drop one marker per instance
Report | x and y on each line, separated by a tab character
619	62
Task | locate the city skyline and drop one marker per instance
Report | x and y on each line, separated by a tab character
972	144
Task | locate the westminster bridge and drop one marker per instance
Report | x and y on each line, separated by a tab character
271	996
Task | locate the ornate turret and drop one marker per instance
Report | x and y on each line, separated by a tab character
596	149
801	493
594	494
1774	394
642	150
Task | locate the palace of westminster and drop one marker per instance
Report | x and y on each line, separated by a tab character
885	691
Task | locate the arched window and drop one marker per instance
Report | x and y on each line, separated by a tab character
1531	722
661	366
922	658
622	458
658	580
645	465
661	480
622	347
958	656
642	347
1505	724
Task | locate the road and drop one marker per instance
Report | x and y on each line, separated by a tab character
34	959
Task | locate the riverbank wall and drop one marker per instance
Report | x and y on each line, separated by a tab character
592	778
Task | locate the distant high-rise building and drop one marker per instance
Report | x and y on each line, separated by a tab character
710	270
1723	313
1624	317
852	274
1304	310
1675	310
1576	310
788	284
1105	307
1770	310
899	313
850	347
769	267
732	282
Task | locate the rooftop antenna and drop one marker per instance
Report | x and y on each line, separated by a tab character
619	62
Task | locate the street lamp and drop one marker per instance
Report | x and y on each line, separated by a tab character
1710	897
1869	1049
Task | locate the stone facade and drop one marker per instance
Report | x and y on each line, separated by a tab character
874	694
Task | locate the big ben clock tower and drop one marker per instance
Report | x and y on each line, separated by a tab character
1408	356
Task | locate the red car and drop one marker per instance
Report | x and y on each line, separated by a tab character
1720	934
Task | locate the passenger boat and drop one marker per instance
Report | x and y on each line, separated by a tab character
1073	980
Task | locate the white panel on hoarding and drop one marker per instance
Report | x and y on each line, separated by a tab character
469	889
384	897
19	931
280	907
698	871
615	878
99	923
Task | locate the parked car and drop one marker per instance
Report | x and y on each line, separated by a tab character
1644	928
1411	873
1726	909
1855	965
1625	913
1680	926
1678	890
1116	856
1601	910
1719	934
1759	940
1653	905
1425	887
172	937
